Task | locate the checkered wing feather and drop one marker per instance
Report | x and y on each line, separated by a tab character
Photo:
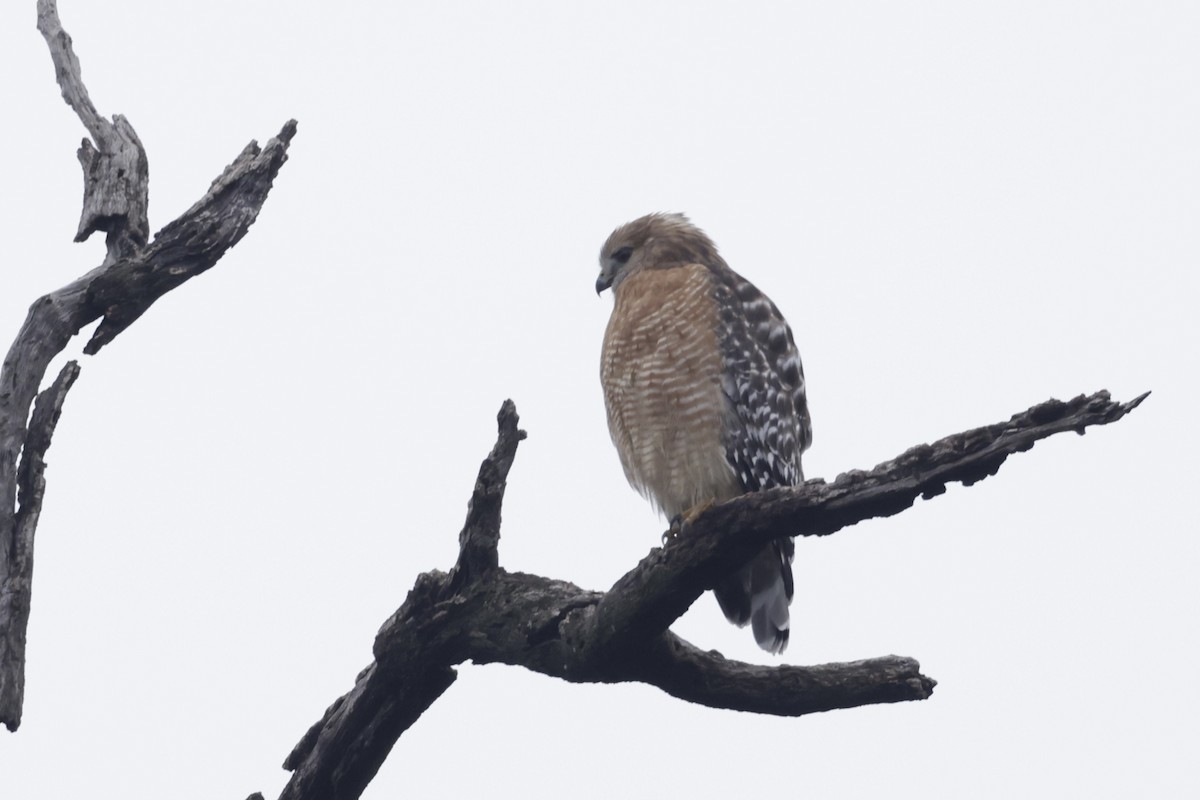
763	381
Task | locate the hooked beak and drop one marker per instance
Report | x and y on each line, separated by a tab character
602	283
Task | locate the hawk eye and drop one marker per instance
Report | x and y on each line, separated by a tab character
622	254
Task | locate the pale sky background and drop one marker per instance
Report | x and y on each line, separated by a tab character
962	208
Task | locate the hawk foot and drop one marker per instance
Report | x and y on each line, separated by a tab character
681	521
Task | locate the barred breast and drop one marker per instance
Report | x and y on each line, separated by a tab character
661	369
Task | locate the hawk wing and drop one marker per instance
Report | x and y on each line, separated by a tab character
767	428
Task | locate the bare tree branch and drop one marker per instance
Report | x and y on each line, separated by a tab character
191	244
489	615
133	275
16	565
668	581
31	475
480	537
709	679
116	174
342	752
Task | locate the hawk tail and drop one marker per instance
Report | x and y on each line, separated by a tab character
759	593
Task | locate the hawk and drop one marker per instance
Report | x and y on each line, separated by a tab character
705	394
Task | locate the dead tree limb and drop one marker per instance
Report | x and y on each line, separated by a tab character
483	613
669	580
134	274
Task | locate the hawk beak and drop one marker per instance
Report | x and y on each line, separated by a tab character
602	283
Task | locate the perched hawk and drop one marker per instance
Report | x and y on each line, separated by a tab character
705	394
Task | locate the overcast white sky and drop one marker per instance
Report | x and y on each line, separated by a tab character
962	208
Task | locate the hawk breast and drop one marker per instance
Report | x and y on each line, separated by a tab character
661	368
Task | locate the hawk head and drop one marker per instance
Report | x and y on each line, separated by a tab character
655	241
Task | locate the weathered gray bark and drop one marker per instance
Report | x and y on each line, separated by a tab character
133	275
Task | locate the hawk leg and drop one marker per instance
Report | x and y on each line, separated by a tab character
681	521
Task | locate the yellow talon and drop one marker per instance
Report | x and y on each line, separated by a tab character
681	521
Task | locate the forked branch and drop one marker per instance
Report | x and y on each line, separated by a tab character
133	275
483	613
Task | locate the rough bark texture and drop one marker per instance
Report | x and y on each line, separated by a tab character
669	580
115	171
133	275
483	613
